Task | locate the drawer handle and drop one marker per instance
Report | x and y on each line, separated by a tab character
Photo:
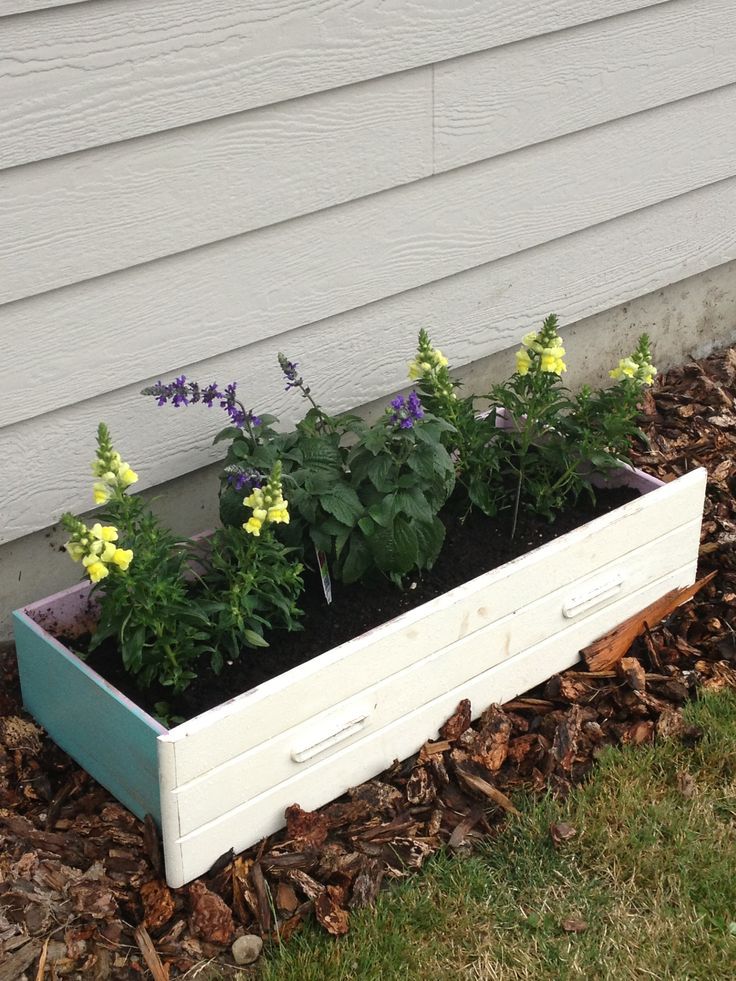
346	730
601	592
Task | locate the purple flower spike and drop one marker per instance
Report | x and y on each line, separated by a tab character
406	411
182	392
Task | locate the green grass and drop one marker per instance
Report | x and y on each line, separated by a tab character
652	871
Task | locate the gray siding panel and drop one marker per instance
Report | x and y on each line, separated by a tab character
129	68
86	214
504	99
207	301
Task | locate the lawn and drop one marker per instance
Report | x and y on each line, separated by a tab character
644	889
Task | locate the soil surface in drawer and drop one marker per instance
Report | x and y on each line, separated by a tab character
472	546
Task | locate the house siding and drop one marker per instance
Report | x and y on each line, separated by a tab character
195	185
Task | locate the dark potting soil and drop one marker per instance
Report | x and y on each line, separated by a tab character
472	546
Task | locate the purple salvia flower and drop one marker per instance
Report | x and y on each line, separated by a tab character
405	411
414	405
180	392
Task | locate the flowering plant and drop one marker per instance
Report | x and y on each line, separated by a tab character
168	602
536	447
366	496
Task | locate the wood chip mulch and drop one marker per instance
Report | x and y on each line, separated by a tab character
81	886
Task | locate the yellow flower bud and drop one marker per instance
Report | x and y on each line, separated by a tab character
76	550
260	514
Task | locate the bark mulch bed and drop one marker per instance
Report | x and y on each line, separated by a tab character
81	887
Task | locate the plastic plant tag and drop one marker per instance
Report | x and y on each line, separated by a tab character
324	574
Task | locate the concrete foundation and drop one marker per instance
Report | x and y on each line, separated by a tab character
686	320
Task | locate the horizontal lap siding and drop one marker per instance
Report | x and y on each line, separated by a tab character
130	67
500	100
344	219
202	303
85	214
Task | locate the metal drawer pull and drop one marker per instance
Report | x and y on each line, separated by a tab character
346	730
582	602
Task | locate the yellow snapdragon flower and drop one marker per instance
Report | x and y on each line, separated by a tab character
253	526
108	533
96	568
101	493
76	550
542	350
122	558
269	506
523	362
95	548
626	368
551	360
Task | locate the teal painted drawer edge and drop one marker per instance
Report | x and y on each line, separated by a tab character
109	736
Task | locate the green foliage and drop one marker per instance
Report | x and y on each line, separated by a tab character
168	602
160	632
540	444
249	587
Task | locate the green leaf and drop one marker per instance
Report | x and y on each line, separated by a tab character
366	526
253	639
320	453
383	512
343	503
321	540
379	472
375	439
229	432
430	538
357	560
394	549
232	511
481	495
413	503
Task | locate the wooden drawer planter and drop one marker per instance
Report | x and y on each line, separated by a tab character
223	779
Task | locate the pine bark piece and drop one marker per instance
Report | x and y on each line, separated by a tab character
153	961
457	723
15	965
158	904
330	913
482	786
607	651
634	673
211	918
